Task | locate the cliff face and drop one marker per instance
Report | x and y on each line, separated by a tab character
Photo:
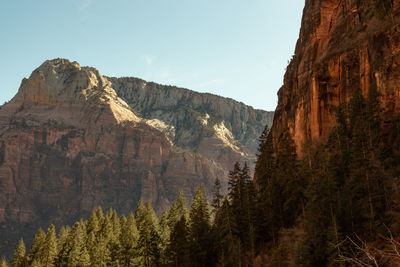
344	45
72	139
201	123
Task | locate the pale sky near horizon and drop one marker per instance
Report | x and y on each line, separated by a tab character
233	48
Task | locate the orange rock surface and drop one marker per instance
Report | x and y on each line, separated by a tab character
343	46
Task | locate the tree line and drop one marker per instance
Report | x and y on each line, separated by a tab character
337	199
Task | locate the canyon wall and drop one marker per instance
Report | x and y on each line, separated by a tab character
343	46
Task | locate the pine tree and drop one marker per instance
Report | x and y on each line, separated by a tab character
35	263
19	258
62	244
140	212
249	206
234	182
76	245
165	233
62	237
153	217
365	185
242	194
228	245
84	259
216	203
102	254
338	164
178	249
114	245
265	160
93	248
129	240
3	262
50	247
321	227
36	251
200	238
177	210
148	244
100	215
264	171
291	202
93	224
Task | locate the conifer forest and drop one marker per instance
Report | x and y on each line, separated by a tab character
334	207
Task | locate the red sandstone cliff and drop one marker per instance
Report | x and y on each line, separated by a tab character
69	143
344	45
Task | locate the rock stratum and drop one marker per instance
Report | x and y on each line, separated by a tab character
344	46
72	139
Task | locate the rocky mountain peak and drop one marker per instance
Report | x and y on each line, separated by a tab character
76	95
72	139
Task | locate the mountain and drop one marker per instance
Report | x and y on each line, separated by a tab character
344	46
328	174
72	139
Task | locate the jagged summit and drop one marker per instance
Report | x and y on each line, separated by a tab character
78	91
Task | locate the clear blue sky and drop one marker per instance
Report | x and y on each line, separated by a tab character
232	48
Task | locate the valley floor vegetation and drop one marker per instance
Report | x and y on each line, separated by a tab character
336	206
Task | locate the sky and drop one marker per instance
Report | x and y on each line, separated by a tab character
233	48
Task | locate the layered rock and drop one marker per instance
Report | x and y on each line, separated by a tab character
201	123
72	139
343	46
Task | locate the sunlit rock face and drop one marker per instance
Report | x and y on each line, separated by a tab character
343	46
72	139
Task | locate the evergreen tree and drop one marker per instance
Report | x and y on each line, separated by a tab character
242	195
50	248
105	235
148	244
321	227
76	246
3	262
129	240
62	244
264	171
93	224
291	201
228	245
177	210
93	248
234	182
84	259
114	245
200	238
165	233
35	263
151	214
140	212
216	203
19	258
178	249
62	237
36	251
365	184
265	161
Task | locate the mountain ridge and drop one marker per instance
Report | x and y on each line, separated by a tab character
69	143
